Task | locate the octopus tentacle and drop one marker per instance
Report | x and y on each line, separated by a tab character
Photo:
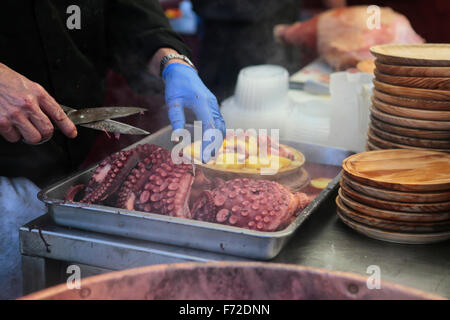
253	204
116	174
101	172
134	182
73	191
157	185
203	208
112	172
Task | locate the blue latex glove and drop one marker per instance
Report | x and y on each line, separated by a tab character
185	89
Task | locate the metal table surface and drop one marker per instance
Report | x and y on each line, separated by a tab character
323	241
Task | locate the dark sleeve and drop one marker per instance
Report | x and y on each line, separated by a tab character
136	29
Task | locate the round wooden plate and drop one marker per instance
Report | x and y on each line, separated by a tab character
409	122
400	169
415	93
438	83
386	144
415	142
371	147
386	215
390	195
396	237
396	226
374	146
426	104
411	132
412	71
419	114
427	54
393	215
394	205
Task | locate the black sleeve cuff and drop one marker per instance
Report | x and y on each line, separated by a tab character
136	29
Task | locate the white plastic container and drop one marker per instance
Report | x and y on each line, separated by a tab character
309	122
350	101
261	99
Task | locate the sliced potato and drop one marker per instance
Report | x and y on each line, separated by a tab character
193	150
230	160
320	183
243	154
284	162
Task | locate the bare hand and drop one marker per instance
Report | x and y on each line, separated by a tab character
25	109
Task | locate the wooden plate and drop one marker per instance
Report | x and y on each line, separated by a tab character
395	205
397	226
412	71
400	169
386	144
427	54
415	93
410	132
419	114
426	104
415	142
438	83
396	237
376	147
409	122
371	147
393	215
419	197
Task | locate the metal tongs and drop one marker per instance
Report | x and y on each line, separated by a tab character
100	119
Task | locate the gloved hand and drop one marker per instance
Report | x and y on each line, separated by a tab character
185	89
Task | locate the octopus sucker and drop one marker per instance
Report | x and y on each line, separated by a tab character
222	205
111	184
145	178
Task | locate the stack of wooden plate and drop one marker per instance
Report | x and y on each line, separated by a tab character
397	195
411	100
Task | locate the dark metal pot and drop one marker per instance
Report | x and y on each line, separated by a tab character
229	280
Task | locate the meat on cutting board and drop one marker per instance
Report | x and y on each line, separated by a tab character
342	36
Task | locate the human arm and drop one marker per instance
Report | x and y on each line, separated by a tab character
140	44
184	89
26	110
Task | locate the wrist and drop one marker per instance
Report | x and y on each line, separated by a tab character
165	61
164	57
179	67
171	61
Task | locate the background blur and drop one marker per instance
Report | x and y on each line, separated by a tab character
227	35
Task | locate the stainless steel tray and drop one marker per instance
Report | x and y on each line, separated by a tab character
178	231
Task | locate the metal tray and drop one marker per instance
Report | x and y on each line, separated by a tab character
179	231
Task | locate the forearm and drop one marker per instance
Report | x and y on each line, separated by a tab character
138	31
154	65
